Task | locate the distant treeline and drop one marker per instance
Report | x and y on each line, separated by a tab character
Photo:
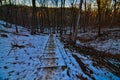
57	18
22	15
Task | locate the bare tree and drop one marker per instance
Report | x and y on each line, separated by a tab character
73	17
85	24
61	26
33	16
78	20
99	17
56	20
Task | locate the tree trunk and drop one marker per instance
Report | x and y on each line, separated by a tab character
99	18
33	17
16	20
77	25
85	18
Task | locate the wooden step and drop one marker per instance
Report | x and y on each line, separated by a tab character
46	62
49	67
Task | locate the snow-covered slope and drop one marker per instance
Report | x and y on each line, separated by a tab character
107	43
21	54
18	51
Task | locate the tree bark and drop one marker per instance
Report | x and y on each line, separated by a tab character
78	21
85	18
99	17
33	17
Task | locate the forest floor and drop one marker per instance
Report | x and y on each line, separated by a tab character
47	57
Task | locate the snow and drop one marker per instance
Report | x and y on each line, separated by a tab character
98	73
27	62
31	61
72	65
20	60
108	45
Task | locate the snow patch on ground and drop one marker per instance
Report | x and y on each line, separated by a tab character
19	62
24	62
109	44
98	73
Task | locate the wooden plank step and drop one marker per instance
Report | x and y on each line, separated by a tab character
51	48
52	62
47	55
51	52
50	58
49	67
47	52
